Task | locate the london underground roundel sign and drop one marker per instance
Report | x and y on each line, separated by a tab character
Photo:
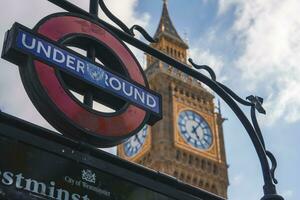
50	70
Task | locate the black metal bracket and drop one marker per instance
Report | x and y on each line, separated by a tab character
123	26
223	91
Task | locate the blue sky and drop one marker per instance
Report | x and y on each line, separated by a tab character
254	47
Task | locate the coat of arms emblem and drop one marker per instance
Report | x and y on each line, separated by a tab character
88	176
95	72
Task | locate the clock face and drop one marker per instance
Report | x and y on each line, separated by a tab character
134	144
194	129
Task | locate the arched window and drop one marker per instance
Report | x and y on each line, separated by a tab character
200	183
197	162
194	180
188	179
215	169
181	176
206	185
175	173
190	159
178	155
203	164
209	166
214	189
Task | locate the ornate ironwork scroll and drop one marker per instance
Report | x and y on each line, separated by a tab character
232	99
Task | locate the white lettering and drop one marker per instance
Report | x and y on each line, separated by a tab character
65	59
51	189
70	62
69	180
118	87
137	94
41	188
38	187
8	178
85	197
130	90
105	81
56	54
31	46
40	46
80	66
75	197
60	193
19	181
151	101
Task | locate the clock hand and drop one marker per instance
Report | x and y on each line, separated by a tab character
206	141
197	126
135	139
195	132
193	129
138	139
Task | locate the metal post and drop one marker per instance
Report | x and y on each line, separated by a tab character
94	7
91	53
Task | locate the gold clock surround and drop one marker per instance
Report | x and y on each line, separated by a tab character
144	148
179	142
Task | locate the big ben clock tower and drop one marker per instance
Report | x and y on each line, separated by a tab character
188	142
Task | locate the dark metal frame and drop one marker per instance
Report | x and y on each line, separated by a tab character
254	102
22	132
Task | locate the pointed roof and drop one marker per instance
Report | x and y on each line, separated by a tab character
166	26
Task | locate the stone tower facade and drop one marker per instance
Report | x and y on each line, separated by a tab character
188	142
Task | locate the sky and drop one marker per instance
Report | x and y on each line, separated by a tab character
254	48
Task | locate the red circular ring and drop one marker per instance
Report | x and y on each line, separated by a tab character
120	125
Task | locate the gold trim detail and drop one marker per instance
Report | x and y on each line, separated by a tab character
145	148
179	141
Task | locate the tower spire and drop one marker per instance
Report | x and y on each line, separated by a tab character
166	27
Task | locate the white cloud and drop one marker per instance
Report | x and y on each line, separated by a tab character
287	194
224	5
269	32
205	57
237	180
125	10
